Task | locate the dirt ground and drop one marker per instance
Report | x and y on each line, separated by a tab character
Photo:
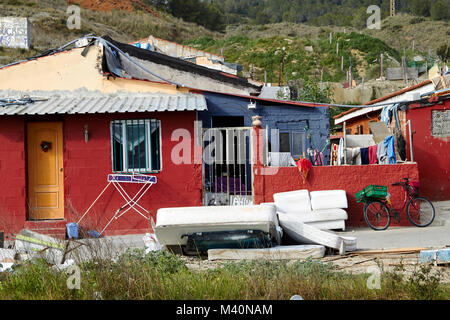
407	263
353	263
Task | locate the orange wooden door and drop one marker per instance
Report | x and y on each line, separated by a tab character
45	171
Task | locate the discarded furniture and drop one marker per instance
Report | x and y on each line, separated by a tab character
174	225
304	216
201	242
307	234
50	249
321	209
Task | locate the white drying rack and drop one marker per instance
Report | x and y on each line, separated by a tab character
131	202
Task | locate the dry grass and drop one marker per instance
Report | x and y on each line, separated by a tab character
398	32
49	29
164	276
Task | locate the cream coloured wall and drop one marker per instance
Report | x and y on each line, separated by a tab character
71	71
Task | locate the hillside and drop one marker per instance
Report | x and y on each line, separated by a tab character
324	12
48	19
398	31
267	52
259	48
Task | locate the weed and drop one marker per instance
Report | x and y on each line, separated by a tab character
425	284
162	275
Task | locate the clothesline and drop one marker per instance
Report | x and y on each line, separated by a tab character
380	153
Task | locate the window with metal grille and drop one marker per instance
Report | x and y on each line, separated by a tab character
136	145
292	142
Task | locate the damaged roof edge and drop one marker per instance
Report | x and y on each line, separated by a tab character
391	95
180	64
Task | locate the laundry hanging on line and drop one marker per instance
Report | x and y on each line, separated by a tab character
390	148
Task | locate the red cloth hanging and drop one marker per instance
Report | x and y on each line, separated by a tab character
304	165
373	159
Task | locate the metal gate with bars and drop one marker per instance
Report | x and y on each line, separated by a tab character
227	168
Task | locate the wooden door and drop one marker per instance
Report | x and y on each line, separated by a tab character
45	171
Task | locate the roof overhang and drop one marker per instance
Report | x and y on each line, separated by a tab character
408	94
42	103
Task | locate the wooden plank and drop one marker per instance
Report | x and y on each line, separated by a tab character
296	252
390	251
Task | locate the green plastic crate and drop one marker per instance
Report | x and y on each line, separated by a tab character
372	191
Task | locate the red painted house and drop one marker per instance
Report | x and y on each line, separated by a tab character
430	121
55	165
86	115
70	119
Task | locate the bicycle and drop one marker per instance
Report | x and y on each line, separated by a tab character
419	210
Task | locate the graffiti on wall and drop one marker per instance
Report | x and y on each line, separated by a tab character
440	123
15	33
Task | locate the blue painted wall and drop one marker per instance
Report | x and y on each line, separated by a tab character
286	118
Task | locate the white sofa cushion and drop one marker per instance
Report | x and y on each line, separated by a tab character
321	215
294	202
328	199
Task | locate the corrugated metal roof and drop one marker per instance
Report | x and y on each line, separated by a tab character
63	104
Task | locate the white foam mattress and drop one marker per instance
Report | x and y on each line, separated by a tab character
172	223
321	215
328	199
306	234
297	201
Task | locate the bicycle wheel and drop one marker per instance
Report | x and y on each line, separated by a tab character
420	211
377	216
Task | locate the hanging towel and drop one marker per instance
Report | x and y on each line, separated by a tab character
364	155
373	154
356	155
353	156
341	152
318	158
390	148
387	112
381	153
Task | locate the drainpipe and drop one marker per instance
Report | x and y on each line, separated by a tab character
345	142
410	141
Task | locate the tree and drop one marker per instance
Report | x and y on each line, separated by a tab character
440	10
310	90
421	7
444	52
360	18
202	13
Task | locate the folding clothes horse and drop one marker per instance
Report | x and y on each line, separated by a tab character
131	202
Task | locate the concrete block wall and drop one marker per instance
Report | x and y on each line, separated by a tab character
86	166
13	174
352	179
432	153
